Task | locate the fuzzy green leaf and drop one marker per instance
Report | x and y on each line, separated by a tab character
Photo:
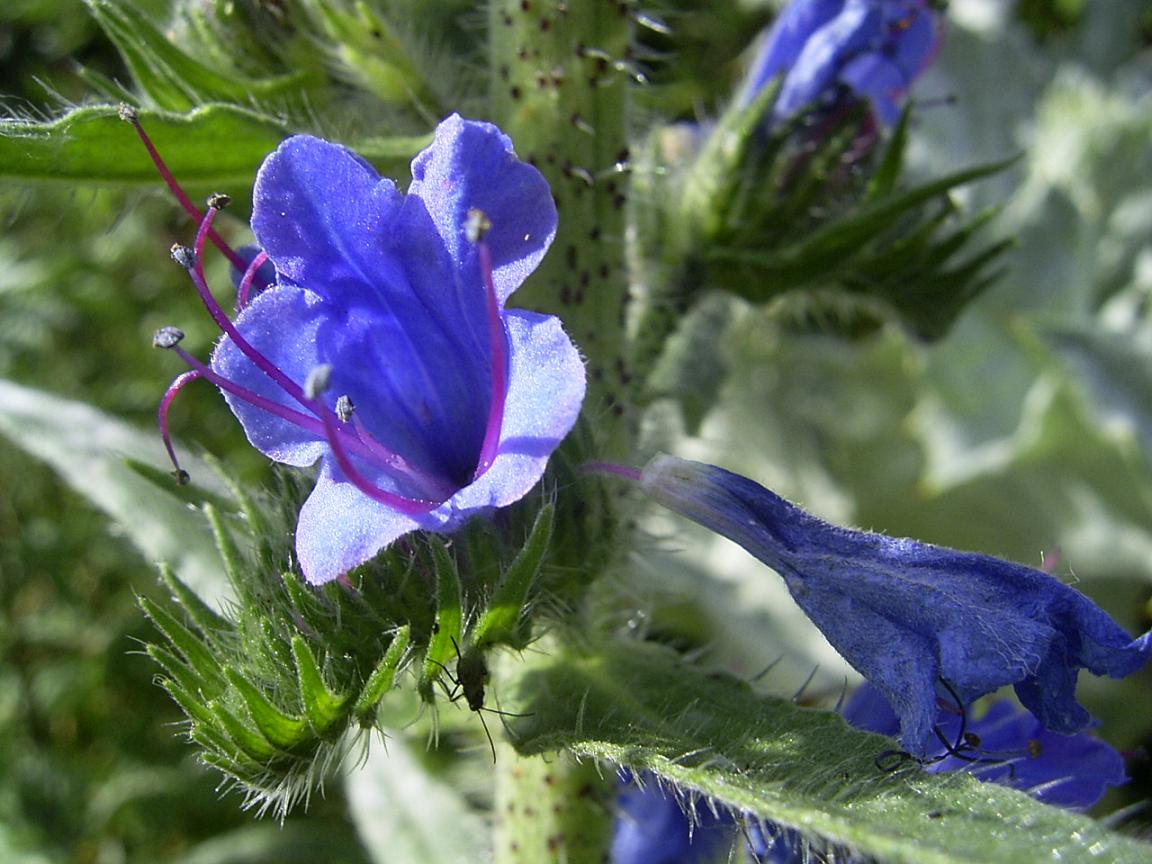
218	146
636	705
405	814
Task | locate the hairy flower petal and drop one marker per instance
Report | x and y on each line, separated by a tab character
906	614
339	528
473	166
873	48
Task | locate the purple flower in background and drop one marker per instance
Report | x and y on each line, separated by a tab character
1010	748
827	49
383	348
652	827
910	616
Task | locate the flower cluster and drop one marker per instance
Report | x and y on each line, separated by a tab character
828	50
383	349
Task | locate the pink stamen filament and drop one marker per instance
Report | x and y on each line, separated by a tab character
196	273
178	192
410	506
245	286
497	338
162	418
326	428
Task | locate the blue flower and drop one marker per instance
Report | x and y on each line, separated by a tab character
910	616
1008	746
824	49
384	350
652	827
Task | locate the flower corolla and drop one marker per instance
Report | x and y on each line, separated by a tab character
383	348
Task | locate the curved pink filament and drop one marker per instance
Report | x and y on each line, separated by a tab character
178	192
175	387
409	506
224	322
497	338
245	286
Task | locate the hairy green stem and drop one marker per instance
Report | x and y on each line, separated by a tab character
560	76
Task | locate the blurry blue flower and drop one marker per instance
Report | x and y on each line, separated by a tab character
652	827
1010	748
824	49
909	615
383	348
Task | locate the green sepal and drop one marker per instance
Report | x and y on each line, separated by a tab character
284	731
502	622
195	652
183	675
887	174
172	80
206	619
324	709
382	677
252	742
443	645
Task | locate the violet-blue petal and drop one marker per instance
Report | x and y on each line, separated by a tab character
297	330
782	43
873	49
321	212
907	614
265	273
653	828
815	73
1014	749
333	226
281	323
340	528
472	166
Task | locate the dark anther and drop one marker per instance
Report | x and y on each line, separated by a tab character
183	256
218	200
182	477
126	113
344	408
477	225
167	337
319	379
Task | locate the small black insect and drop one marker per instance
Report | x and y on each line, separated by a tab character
468	683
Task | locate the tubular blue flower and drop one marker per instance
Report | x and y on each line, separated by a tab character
910	616
827	49
384	350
